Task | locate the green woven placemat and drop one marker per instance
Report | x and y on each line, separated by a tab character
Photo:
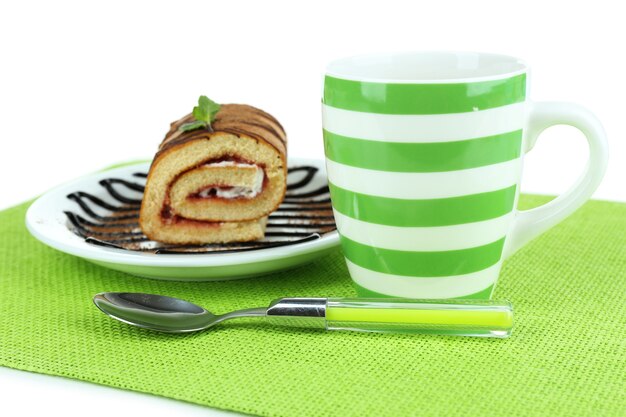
567	356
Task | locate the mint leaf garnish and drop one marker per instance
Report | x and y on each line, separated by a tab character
192	126
204	113
206	109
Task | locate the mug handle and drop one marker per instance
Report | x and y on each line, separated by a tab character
529	224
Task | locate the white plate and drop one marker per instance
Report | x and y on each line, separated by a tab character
47	221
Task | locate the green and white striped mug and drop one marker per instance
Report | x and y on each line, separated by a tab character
424	158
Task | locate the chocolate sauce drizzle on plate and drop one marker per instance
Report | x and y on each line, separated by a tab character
302	217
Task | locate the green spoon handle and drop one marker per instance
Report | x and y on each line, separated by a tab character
484	318
448	317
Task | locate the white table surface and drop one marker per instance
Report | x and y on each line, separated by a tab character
76	76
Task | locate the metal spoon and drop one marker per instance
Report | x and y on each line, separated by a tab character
453	317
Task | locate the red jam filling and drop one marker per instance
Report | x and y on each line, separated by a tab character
170	218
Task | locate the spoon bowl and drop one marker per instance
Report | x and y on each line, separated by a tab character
155	312
161	313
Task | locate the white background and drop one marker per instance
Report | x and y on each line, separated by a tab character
87	84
